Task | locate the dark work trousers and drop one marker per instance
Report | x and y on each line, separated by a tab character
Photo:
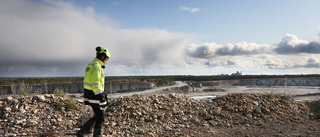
94	122
98	116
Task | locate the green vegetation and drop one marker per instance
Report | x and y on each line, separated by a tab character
72	104
136	95
24	89
59	104
216	98
60	92
270	95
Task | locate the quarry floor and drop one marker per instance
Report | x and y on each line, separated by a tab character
298	93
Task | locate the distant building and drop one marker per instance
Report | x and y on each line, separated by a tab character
237	74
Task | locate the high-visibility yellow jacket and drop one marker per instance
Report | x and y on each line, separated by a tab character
93	82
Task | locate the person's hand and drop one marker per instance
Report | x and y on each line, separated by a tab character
106	97
103	105
103	102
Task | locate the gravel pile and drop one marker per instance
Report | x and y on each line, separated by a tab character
152	115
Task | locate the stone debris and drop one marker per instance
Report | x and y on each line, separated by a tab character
152	115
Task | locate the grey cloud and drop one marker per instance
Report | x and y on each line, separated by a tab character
220	63
209	50
290	44
243	48
309	65
275	63
149	47
38	36
43	69
312	60
231	63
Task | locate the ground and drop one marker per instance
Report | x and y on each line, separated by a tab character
169	114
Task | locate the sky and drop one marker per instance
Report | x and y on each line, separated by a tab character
57	38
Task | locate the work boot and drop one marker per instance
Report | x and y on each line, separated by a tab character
97	132
86	128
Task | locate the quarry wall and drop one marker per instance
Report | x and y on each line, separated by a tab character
76	88
262	82
118	87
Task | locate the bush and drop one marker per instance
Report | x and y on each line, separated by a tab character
60	92
24	89
59	104
72	104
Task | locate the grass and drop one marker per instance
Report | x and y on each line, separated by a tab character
270	95
60	92
72	104
24	89
59	104
216	98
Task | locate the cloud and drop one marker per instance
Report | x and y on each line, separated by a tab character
192	10
210	50
254	58
290	44
309	62
56	38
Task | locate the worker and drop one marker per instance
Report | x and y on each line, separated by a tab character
94	94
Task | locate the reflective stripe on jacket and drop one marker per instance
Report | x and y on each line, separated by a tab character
93	81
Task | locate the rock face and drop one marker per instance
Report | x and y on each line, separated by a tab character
78	88
128	86
153	115
262	82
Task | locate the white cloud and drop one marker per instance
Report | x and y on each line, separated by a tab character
286	55
291	44
192	10
56	34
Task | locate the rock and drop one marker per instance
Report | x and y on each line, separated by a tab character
140	131
5	116
249	116
6	110
259	112
31	122
161	115
20	121
168	128
40	98
49	95
8	99
15	101
22	110
53	121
